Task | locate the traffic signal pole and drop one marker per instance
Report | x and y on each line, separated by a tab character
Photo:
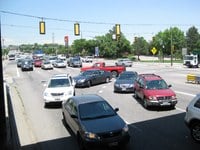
2	103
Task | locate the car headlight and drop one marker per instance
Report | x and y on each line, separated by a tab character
117	85
46	94
69	93
82	80
174	97
125	128
91	135
152	98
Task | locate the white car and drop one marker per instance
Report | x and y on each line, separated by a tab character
192	118
124	62
59	88
59	64
46	65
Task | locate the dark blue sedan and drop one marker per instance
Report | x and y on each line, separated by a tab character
92	77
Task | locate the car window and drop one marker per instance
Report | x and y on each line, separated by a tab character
71	107
95	110
58	83
156	84
197	104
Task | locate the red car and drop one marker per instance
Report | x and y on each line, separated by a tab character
154	91
38	63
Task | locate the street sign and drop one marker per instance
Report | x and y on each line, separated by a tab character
153	50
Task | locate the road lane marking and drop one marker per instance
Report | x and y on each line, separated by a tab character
18	75
184	93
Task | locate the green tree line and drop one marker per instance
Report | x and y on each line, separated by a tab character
167	42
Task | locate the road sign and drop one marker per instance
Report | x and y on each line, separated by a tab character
153	50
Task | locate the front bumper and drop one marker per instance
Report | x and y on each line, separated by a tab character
51	99
161	103
123	89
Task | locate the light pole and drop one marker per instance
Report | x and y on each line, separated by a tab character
171	49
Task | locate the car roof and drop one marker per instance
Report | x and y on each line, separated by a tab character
150	76
59	76
87	98
129	72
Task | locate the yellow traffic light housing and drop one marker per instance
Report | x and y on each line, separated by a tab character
76	29
118	29
42	27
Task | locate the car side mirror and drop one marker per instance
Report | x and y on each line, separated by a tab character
169	85
116	109
44	83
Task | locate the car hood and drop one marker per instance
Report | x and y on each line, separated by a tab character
80	77
58	89
159	92
103	124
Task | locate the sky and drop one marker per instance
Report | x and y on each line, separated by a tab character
142	18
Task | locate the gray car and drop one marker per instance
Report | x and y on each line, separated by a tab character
74	62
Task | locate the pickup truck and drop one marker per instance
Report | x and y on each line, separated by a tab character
115	70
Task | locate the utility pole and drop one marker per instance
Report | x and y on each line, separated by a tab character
2	102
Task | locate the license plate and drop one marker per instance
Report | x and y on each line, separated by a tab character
165	103
113	144
57	99
123	89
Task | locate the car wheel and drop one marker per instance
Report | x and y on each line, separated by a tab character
195	131
88	83
80	142
145	103
107	79
114	74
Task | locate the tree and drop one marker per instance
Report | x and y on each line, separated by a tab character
192	39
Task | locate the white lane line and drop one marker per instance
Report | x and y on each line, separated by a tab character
180	109
184	93
18	75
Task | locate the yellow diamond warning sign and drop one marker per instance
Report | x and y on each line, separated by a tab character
153	50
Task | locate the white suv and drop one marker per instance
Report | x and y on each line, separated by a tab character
59	88
192	118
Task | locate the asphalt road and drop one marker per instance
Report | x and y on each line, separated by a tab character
155	129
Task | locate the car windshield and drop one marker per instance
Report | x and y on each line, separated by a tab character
95	110
127	77
87	73
156	84
54	83
47	62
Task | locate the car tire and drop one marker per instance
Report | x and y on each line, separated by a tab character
107	79
195	131
80	142
145	104
114	74
89	84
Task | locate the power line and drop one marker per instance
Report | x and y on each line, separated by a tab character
91	22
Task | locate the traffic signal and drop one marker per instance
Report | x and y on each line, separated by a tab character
76	29
117	26
42	27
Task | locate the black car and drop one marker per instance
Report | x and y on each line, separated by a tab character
27	64
92	77
94	122
125	82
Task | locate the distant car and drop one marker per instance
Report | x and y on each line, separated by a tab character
192	118
46	65
124	62
94	122
87	59
92	77
59	64
154	91
74	62
27	64
52	59
19	62
59	88
125	82
37	63
11	56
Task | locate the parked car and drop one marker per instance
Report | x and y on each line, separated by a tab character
27	64
19	62
124	62
154	91
92	77
125	82
94	122
74	62
59	64
38	63
59	88
115	70
46	65
87	59
192	118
